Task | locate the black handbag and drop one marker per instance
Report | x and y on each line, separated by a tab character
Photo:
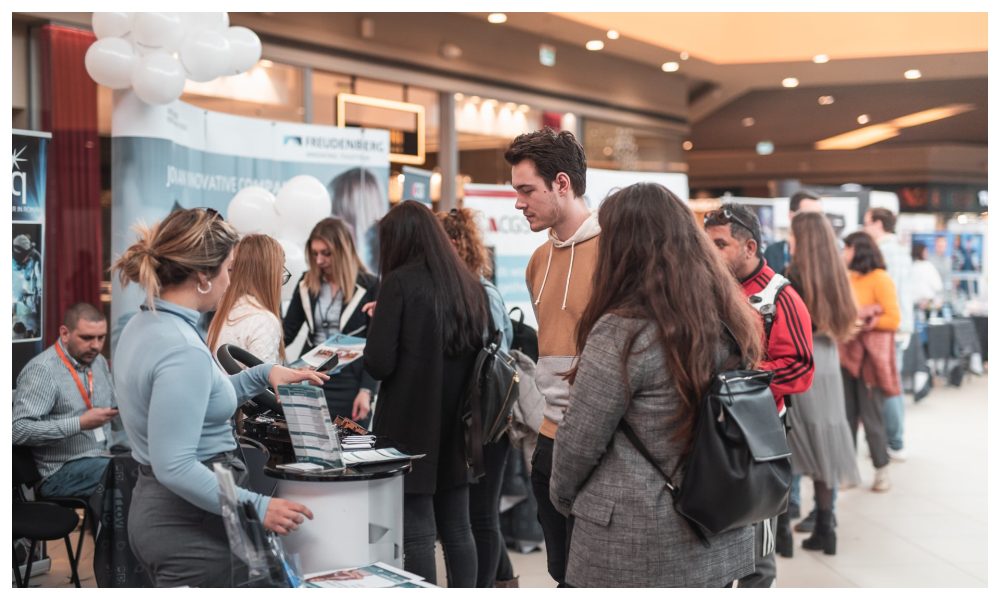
490	400
739	469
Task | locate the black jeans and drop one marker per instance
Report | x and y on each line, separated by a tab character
444	513
865	404
484	512
555	526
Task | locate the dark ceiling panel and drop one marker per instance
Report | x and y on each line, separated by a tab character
794	119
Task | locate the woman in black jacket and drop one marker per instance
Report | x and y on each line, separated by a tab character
335	288
427	328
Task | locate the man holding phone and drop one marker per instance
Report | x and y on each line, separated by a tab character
64	405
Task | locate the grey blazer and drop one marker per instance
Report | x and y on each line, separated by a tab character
626	532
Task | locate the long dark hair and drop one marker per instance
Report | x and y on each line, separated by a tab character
867	256
654	262
821	277
410	233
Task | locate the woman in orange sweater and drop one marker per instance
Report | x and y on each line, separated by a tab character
868	363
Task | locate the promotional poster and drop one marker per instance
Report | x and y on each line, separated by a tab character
181	156
28	172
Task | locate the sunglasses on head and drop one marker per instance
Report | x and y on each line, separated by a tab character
729	217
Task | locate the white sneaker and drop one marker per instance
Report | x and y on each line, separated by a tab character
897	455
882	483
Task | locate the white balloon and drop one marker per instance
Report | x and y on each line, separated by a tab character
252	211
109	62
245	49
111	24
158	30
196	21
295	262
301	203
158	78
206	55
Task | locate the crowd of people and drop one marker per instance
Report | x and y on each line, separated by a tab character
633	302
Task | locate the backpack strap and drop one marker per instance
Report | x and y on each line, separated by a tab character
634	438
764	302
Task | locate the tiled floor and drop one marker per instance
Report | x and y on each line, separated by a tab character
928	531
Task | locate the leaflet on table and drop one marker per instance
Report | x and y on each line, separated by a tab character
347	348
377	575
366	457
314	437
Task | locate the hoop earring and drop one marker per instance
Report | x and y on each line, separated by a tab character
201	291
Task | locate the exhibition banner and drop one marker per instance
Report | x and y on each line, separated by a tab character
601	182
510	240
28	172
181	156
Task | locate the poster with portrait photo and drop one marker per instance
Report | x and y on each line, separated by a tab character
26	271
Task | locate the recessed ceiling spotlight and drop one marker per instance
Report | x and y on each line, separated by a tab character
595	45
825	100
612	34
820	59
765	147
523	108
497	18
748	121
475	99
913	74
863	119
687	145
670	67
459	96
790	82
685	55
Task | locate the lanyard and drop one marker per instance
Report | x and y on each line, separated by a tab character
76	377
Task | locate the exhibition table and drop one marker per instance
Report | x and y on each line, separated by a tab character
357	515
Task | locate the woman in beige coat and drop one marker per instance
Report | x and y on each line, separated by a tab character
649	341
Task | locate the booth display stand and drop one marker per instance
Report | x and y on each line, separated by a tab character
358	515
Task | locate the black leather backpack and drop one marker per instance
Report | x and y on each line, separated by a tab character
525	336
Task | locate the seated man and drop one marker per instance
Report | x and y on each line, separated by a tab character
64	404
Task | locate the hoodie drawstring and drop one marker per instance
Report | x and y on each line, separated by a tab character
572	254
546	276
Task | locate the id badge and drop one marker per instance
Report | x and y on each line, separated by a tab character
99	434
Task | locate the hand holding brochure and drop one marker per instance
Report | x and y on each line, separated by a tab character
347	348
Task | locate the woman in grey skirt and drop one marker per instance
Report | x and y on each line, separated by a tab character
819	437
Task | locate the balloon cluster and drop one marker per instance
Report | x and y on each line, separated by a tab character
155	53
288	217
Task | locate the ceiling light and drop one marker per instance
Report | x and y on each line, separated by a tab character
820	59
930	115
670	67
612	34
523	108
913	74
790	82
497	18
266	63
765	147
459	96
859	138
748	121
595	45
687	145
685	55
475	99
863	119
825	100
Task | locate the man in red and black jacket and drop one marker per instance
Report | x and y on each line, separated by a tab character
735	232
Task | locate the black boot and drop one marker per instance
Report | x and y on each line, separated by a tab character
783	542
824	537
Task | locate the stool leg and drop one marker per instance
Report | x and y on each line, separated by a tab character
30	561
74	577
83	532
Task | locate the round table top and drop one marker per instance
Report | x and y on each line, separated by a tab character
385	470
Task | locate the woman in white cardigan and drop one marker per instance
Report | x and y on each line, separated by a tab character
249	315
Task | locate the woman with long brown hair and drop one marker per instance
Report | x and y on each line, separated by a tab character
249	315
649	340
819	437
329	299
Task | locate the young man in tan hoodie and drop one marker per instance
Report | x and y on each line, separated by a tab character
549	172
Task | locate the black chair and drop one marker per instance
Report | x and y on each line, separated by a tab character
43	521
26	474
256	455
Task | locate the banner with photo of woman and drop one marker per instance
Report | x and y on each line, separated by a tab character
181	156
29	155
